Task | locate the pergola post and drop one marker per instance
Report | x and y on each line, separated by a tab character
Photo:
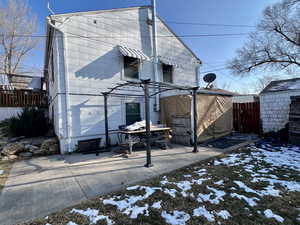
147	118
195	118
107	144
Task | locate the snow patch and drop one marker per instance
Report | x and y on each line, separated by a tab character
135	211
202	211
269	190
207	197
93	215
171	192
156	205
69	223
177	218
187	175
269	214
250	201
224	214
220	182
132	188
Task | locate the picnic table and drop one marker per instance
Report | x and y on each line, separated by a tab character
136	136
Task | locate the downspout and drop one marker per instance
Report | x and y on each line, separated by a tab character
154	51
66	86
198	75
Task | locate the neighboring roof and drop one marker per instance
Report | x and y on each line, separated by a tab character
282	85
242	95
215	91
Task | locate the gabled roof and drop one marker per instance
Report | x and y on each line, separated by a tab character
49	29
79	13
282	85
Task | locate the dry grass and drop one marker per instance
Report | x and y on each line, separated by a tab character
241	212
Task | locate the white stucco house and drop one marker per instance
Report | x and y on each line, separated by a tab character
89	52
275	102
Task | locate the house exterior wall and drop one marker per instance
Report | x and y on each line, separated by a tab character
92	63
274	109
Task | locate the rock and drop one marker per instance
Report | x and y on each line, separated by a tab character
10	157
26	154
13	149
4	158
50	146
53	149
15	139
31	148
39	152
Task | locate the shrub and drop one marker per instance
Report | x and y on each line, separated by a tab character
31	122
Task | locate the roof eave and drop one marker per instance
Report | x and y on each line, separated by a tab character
99	11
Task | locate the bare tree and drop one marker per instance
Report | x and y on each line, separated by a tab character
17	25
276	42
262	82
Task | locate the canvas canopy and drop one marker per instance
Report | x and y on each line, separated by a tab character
214	113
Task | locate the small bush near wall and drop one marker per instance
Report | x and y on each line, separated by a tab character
31	122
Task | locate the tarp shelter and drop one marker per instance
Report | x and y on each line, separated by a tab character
214	109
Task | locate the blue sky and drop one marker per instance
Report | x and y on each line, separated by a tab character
213	51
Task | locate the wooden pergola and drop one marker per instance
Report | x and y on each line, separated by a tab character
144	87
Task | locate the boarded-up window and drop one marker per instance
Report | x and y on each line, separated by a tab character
133	113
131	67
167	73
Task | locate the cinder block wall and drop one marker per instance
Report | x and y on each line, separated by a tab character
275	108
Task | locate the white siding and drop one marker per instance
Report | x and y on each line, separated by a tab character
95	64
275	108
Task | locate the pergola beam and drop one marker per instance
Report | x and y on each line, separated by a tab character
146	85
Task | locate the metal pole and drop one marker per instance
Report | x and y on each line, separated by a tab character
107	144
147	118
154	44
195	118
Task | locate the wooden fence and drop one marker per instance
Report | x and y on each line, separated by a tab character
246	117
23	98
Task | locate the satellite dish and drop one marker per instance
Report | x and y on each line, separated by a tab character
209	78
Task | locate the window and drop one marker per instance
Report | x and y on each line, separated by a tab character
167	73
131	67
133	113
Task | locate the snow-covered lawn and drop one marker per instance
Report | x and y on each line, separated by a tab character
258	185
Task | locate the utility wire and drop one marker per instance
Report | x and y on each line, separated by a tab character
175	22
210	24
99	36
213	70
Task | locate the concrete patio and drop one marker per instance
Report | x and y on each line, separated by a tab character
39	186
